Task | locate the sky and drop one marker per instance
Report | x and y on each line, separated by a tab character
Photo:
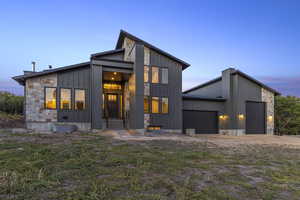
258	37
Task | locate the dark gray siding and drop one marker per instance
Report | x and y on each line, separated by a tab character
96	96
203	105
172	90
213	90
75	79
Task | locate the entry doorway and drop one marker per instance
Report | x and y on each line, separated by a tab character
112	105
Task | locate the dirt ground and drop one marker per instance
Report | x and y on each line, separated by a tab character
218	140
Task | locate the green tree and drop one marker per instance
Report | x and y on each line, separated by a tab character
287	119
10	103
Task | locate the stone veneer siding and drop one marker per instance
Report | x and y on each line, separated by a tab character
35	99
268	97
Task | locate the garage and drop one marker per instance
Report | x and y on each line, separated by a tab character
204	122
255	117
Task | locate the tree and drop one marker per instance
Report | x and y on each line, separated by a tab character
287	119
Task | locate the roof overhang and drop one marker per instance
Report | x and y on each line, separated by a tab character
195	97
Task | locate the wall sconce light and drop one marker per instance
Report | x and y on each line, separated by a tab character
270	118
241	117
223	117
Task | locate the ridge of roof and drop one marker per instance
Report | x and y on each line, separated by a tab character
124	34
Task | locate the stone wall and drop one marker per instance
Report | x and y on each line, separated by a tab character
128	45
268	97
35	99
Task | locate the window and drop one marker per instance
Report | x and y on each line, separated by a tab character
146	74
50	98
65	99
146	104
79	99
165	105
164	75
155	105
153	128
112	86
155	75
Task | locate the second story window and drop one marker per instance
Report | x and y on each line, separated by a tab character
146	74
65	99
146	104
155	75
164	75
164	105
155	105
50	98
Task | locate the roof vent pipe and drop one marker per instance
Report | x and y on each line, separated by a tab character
33	66
50	66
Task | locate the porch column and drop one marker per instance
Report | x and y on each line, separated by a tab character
96	96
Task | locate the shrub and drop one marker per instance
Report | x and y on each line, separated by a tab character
10	103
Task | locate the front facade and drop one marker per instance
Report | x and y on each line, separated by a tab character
138	86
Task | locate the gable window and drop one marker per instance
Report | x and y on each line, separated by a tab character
146	104
155	105
79	99
50	98
165	105
146	74
164	75
155	75
65	99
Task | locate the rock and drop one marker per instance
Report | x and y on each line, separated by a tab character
64	128
19	130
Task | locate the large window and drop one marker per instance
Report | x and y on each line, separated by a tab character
50	98
146	74
79	99
164	75
65	99
155	75
165	105
155	105
146	104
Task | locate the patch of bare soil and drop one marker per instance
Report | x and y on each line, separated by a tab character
11	121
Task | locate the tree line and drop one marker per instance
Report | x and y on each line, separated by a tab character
10	103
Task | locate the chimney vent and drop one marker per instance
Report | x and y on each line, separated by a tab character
33	66
50	66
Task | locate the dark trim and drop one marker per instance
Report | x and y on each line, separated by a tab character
194	97
203	85
112	63
107	52
124	34
21	79
255	81
45	107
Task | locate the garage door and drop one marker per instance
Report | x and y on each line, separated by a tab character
255	118
204	122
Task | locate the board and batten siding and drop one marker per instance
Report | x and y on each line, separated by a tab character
75	79
172	90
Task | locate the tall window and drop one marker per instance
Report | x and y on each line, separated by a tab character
146	104
65	99
146	74
164	75
155	105
79	99
165	105
155	75
50	98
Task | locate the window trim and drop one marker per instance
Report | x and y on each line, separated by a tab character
56	102
85	99
70	101
161	69
161	102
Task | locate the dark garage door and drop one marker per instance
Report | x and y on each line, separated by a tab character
204	122
255	118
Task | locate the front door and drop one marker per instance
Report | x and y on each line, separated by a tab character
112	106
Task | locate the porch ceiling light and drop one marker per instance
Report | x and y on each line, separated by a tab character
115	73
112	78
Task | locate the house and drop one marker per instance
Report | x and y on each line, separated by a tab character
139	86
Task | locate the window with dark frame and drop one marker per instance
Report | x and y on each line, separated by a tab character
65	99
50	98
165	105
155	75
164	75
146	74
146	104
80	99
155	104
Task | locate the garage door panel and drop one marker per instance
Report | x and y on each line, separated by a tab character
255	118
204	122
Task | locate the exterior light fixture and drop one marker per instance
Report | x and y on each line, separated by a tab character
270	118
241	117
223	117
112	78
115	73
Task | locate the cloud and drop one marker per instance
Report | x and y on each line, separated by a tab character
285	85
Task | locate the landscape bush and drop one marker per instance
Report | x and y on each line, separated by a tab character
10	103
287	115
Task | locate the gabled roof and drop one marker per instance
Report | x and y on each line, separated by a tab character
21	79
235	71
124	34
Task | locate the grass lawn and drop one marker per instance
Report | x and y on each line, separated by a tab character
89	166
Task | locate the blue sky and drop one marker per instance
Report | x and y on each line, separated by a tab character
259	37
